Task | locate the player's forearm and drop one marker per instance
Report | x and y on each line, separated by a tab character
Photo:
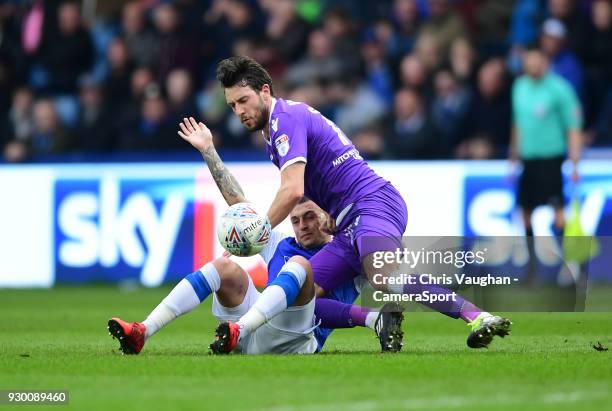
575	146
228	185
286	198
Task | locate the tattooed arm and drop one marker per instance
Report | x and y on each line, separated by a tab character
229	187
199	136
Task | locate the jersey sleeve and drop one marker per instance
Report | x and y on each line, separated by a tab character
276	236
290	141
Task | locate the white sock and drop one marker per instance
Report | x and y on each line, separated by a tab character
251	321
371	319
181	300
159	317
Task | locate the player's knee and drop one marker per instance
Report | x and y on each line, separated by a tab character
298	268
228	270
304	263
301	287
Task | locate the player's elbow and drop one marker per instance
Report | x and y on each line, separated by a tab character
293	192
296	194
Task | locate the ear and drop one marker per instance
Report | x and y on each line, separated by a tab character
266	89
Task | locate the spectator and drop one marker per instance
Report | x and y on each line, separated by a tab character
19	126
69	54
524	25
410	134
286	30
179	88
524	31
562	61
360	107
413	75
341	31
492	18
177	48
429	52
597	51
596	55
377	72
141	41
320	64
405	17
117	84
463	60
370	143
449	107
49	137
479	146
153	131
227	22
443	26
93	128
488	116
128	114
574	20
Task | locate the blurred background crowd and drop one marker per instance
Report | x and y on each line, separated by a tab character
405	79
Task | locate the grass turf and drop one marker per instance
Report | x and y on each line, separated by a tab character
57	339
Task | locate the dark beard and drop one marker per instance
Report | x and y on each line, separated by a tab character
262	120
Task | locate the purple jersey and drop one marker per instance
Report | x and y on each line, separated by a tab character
336	175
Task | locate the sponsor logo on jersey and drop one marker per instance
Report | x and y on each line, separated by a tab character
353	153
282	145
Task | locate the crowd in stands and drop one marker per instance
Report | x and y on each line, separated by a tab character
405	79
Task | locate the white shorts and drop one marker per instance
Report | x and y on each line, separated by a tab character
290	332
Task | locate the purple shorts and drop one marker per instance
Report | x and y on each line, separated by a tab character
375	223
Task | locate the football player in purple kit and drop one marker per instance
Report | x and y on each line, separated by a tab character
317	159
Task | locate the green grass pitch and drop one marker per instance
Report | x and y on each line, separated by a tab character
57	339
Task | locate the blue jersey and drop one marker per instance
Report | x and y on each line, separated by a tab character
279	250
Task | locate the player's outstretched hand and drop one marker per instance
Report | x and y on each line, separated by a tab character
328	224
196	134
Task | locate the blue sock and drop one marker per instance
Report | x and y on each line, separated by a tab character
287	281
199	284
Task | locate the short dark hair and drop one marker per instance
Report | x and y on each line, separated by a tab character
303	200
243	70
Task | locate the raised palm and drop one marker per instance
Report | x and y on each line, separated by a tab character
196	134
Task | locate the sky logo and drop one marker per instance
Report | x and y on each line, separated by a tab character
489	211
489	206
109	228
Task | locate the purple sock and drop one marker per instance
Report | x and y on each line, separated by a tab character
332	313
469	312
358	315
449	307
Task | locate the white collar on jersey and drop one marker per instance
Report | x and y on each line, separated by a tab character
272	106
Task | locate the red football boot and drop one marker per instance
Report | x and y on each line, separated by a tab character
131	335
226	338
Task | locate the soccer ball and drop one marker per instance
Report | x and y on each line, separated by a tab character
242	231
